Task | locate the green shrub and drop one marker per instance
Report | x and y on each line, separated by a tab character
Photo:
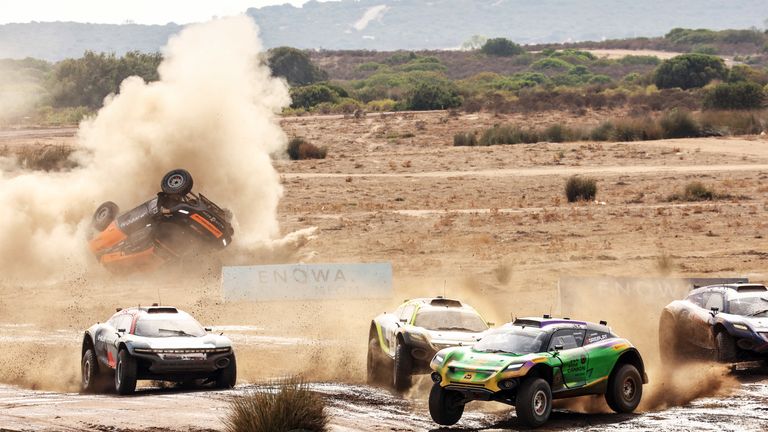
549	63
292	406
737	96
679	124
501	47
465	139
400	57
695	191
432	95
690	71
603	132
370	67
381	105
705	49
295	66
580	189
300	149
730	123
637	60
506	134
311	95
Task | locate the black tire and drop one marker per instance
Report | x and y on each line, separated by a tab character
373	367
533	404
403	367
445	406
177	182
92	378
125	373
625	389
669	343
104	215
227	377
725	347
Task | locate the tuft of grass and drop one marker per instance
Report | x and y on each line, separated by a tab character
580	189
300	149
284	407
42	157
465	139
697	191
506	134
679	124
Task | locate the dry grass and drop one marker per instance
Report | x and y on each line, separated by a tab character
286	406
41	157
301	149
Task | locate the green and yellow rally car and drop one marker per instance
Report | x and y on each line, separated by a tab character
530	362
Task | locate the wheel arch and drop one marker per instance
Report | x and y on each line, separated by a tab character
87	344
631	356
543	371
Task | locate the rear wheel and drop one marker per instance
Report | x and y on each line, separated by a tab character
227	377
533	404
669	345
445	406
625	389
375	373
725	347
125	373
104	215
177	182
403	367
92	378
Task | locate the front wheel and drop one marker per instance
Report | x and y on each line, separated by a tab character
534	402
403	367
125	373
445	406
92	379
177	182
725	347
104	215
227	377
625	389
375	373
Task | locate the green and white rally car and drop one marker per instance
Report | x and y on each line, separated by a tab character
532	361
402	343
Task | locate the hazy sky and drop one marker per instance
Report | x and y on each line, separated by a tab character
120	11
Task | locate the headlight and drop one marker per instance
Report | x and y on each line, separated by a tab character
743	327
514	366
437	360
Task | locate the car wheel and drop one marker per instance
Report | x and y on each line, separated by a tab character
533	404
92	379
104	215
625	389
445	406
669	344
125	373
227	377
725	347
403	367
373	370
178	182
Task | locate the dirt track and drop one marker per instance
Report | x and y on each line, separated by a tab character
490	223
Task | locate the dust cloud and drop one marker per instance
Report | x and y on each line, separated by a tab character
213	112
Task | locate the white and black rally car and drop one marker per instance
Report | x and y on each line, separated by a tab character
403	342
154	343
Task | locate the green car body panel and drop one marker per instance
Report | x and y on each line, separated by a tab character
570	372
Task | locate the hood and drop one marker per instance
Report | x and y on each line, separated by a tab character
453	338
757	324
469	359
186	342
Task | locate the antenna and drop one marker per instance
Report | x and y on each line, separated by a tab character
159	302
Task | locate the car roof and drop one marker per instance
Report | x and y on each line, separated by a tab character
733	289
550	324
153	311
438	302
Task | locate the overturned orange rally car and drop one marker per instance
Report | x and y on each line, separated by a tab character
175	224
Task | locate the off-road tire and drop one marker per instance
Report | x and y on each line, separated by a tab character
403	367
375	368
669	342
725	348
125	373
625	389
104	215
227	377
445	406
93	379
533	404
177	182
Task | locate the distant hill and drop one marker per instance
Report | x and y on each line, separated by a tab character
407	24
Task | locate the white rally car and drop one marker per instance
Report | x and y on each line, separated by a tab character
154	343
403	342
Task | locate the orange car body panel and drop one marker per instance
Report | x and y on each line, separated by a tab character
207	225
107	238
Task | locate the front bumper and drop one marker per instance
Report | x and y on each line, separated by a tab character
168	363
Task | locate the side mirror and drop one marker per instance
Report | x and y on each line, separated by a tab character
714	311
490	324
120	332
404	320
558	347
208	329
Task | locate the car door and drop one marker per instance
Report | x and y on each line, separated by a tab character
693	321
121	322
703	331
600	361
573	356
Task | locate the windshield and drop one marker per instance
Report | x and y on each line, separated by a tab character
749	306
169	327
515	340
450	319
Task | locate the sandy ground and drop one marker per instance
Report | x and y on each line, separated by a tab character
490	225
